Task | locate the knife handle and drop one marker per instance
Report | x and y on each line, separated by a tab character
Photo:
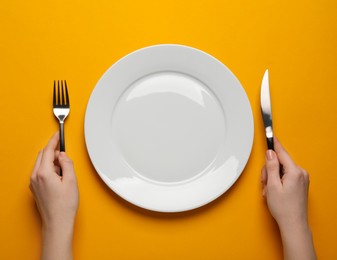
270	143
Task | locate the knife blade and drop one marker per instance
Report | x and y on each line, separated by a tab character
266	110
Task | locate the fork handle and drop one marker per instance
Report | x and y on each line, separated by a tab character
62	141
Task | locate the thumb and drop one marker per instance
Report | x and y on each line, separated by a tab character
67	165
273	168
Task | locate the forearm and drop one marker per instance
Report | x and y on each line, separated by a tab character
57	243
297	242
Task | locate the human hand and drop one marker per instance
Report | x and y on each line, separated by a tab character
56	198
287	197
287	200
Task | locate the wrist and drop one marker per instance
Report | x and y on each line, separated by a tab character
292	229
57	230
290	225
60	228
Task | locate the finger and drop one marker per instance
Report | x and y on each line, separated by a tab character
264	180
57	169
264	176
56	156
272	168
67	166
305	174
49	151
283	156
37	164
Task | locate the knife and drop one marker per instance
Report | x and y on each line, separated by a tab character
266	110
266	114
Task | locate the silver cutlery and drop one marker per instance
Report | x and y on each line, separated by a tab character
266	110
61	107
266	113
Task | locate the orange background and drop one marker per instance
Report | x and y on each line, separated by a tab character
78	41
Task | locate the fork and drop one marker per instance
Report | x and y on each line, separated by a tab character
61	107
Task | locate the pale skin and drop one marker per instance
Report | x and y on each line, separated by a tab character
57	200
287	200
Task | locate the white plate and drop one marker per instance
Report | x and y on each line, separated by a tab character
169	128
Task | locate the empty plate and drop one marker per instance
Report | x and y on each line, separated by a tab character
169	128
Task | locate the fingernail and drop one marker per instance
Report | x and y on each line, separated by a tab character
270	154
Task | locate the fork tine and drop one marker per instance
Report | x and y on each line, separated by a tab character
67	96
62	89
58	93
54	94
